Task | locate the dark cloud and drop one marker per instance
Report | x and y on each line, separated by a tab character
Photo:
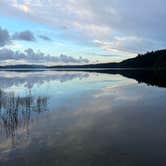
45	37
31	56
4	37
25	35
131	17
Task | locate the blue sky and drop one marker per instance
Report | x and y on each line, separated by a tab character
79	31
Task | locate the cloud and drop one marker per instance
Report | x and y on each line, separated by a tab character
4	37
105	20
130	45
67	59
45	37
21	7
25	35
29	56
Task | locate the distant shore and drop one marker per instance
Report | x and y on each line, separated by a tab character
155	60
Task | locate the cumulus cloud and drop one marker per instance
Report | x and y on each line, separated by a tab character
25	35
29	55
45	37
4	37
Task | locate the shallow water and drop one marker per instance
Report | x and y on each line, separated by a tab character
80	118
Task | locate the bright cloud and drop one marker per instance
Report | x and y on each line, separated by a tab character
30	56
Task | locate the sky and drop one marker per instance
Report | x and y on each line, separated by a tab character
53	32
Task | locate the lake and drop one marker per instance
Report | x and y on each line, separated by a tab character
81	118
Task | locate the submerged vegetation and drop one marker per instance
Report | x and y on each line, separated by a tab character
15	111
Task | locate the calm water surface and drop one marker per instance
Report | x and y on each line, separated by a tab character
58	118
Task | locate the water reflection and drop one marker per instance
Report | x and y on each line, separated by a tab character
93	119
15	112
150	77
29	78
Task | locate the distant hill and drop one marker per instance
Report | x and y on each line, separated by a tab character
154	59
24	66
